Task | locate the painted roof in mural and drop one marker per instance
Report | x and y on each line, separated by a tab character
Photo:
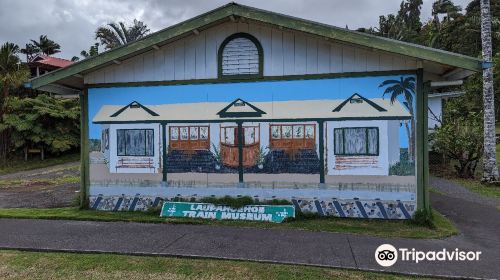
362	108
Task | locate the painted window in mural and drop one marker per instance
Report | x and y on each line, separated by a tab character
356	141
289	137
191	138
135	142
251	135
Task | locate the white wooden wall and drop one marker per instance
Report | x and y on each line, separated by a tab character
285	53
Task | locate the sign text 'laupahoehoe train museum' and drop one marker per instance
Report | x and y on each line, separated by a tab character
245	102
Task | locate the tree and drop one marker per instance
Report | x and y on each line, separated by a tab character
30	51
461	138
404	26
93	51
117	34
490	168
404	87
12	74
43	121
46	46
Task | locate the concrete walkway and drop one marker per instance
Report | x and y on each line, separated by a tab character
480	226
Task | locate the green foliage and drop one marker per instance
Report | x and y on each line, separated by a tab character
234	202
404	26
117	34
12	73
460	138
42	121
46	46
424	217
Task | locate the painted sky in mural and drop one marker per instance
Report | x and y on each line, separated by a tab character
339	88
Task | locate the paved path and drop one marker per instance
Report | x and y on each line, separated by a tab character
39	173
37	188
454	190
480	226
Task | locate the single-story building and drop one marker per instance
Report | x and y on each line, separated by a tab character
244	102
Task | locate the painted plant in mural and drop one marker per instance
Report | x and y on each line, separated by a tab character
405	87
329	145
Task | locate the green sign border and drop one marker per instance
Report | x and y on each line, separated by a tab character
260	213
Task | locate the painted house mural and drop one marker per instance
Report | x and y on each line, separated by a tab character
266	139
246	102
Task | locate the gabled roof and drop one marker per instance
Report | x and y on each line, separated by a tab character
134	105
276	111
240	108
357	98
236	10
51	61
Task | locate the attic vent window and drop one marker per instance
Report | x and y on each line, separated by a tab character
239	104
356	100
135	105
240	55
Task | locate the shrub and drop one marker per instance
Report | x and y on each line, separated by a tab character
423	217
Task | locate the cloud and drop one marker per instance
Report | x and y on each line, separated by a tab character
72	23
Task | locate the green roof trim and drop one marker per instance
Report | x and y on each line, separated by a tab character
233	9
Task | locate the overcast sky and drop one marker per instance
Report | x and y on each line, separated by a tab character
72	23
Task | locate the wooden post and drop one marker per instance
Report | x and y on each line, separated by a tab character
164	154
84	150
422	156
240	152
321	138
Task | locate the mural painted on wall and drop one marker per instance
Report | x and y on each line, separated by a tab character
258	135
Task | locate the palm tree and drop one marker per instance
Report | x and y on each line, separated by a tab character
117	34
46	46
12	74
490	170
404	87
93	51
30	51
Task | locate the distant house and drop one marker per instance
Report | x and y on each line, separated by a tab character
435	104
42	64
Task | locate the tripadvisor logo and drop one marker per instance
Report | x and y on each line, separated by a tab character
387	255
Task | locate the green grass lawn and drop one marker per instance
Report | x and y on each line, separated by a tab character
18	164
491	191
387	228
35	265
65	179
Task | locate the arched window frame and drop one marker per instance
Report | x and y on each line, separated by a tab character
242	76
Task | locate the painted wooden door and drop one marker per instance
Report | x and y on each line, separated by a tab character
229	146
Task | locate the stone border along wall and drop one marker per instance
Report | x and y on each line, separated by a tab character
351	208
